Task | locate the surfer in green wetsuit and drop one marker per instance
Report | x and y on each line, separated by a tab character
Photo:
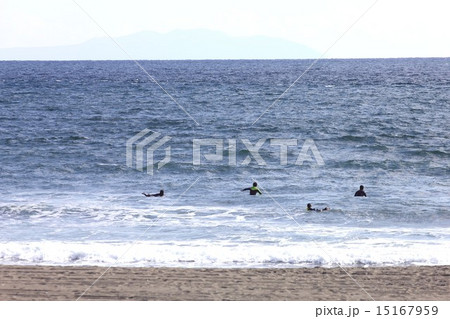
253	190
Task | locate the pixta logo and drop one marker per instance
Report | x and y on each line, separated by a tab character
140	150
282	144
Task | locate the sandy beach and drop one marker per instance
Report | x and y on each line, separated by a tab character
69	283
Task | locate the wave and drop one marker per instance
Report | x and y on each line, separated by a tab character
225	254
355	138
427	153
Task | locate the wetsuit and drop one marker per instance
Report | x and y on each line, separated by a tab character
360	193
253	190
160	194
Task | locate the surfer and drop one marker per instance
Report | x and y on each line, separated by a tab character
253	190
361	191
160	194
310	208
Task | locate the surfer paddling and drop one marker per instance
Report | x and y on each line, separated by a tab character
310	208
160	194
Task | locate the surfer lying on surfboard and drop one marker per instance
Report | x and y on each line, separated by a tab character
309	207
160	194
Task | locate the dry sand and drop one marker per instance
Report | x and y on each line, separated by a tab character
69	283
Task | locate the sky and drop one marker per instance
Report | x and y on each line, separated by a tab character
390	28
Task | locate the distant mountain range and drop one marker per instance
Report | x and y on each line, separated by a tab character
175	45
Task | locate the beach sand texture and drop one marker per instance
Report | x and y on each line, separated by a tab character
69	283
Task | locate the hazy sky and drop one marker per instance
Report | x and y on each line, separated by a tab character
392	28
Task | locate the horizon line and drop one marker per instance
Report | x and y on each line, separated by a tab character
219	59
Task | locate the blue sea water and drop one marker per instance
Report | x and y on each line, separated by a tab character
69	198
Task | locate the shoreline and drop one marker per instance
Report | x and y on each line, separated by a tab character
411	283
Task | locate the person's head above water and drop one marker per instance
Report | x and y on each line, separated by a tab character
255	184
361	187
161	192
308	205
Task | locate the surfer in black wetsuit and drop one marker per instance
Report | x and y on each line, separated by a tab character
253	190
310	208
361	191
160	194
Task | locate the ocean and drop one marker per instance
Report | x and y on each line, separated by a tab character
69	196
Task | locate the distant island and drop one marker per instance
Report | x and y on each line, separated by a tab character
174	45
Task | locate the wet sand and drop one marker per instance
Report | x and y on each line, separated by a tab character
72	283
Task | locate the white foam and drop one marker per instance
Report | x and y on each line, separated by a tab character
373	252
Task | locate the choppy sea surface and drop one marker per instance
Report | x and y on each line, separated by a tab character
69	198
